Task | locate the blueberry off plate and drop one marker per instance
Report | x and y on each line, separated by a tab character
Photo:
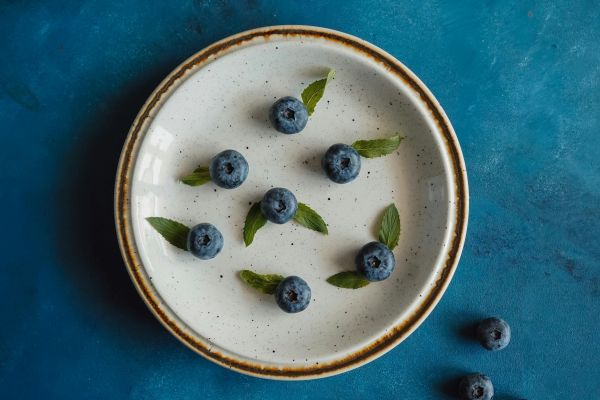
219	99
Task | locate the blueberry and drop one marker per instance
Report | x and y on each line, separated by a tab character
288	115
375	261
204	241
228	169
476	387
292	294
341	163
493	333
279	205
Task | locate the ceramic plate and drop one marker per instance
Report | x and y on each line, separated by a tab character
219	99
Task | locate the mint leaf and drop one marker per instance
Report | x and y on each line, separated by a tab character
199	177
389	229
309	218
348	280
313	93
263	283
377	147
173	231
254	221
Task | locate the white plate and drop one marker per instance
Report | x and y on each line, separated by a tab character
218	99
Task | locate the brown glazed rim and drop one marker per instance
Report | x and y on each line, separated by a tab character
134	265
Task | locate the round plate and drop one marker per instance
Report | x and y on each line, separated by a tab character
219	99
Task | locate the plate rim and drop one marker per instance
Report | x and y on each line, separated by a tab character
134	265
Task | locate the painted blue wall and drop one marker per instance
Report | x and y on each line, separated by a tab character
521	84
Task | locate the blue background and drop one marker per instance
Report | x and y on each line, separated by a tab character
521	84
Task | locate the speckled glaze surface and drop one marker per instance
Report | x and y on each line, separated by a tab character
219	99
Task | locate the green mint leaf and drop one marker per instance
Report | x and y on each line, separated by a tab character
377	147
254	221
313	93
309	218
263	283
348	280
389	229
199	177
173	231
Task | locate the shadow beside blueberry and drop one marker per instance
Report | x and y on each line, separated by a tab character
449	386
310	161
259	116
345	259
468	332
465	327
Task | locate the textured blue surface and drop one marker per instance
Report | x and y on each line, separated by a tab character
521	84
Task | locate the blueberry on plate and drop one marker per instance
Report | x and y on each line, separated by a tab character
204	241
476	387
288	115
292	294
279	205
375	261
493	333
228	169
341	163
